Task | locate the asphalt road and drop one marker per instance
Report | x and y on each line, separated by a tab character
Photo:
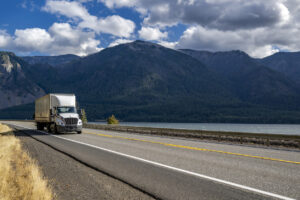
72	180
172	168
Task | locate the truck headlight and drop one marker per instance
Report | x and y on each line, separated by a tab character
79	122
60	123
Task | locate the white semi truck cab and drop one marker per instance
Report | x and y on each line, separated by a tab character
57	112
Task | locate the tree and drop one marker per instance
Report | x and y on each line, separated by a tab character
83	116
112	120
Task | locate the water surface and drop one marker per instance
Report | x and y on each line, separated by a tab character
286	129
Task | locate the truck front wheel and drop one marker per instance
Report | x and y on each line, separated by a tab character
55	129
49	128
79	132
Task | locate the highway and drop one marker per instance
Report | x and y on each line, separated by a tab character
176	168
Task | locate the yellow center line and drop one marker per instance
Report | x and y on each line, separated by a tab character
194	148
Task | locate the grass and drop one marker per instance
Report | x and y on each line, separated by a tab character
21	178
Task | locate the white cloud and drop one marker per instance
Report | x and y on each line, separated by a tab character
61	38
72	40
149	33
71	9
84	1
119	3
284	13
5	39
171	45
32	38
64	33
114	24
119	41
197	37
263	51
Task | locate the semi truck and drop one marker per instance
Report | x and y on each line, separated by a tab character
57	113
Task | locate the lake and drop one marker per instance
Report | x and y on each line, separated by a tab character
286	129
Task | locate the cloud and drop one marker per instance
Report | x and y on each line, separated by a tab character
119	3
258	27
252	42
72	40
5	39
252	15
263	51
32	38
84	1
119	41
149	33
61	38
71	9
29	4
114	24
171	45
219	14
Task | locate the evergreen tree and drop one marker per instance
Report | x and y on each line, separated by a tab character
83	116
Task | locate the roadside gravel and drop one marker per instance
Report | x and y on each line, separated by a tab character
71	179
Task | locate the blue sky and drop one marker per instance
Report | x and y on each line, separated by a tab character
54	27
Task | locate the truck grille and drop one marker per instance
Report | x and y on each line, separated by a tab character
71	121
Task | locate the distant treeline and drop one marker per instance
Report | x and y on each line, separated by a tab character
152	114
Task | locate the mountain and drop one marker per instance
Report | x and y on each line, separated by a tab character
54	61
139	67
15	87
288	63
146	80
251	81
142	81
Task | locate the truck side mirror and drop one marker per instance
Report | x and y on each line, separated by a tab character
51	112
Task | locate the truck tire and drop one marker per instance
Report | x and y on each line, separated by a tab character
78	132
55	130
39	126
49	129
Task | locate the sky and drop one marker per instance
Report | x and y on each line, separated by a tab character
82	27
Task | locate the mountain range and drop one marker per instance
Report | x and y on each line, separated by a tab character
15	86
143	81
54	61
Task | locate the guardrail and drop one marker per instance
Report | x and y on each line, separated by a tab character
236	137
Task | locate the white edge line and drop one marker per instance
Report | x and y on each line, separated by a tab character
173	168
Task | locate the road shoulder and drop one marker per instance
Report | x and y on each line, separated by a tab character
73	180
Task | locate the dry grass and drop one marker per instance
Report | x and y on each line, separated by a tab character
20	175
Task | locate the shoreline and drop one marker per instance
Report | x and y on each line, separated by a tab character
276	129
279	140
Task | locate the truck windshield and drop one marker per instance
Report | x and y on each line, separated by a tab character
66	110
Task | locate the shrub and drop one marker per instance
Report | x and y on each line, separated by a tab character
112	120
